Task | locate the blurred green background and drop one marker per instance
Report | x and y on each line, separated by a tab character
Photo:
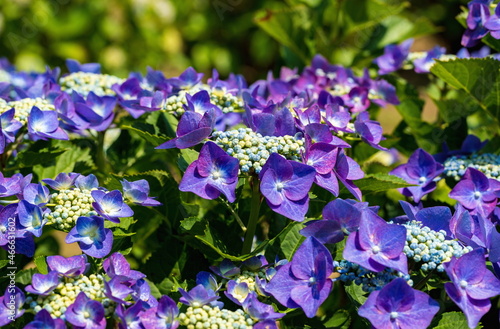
229	35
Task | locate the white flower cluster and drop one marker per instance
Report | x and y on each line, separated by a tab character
252	149
488	164
85	82
226	101
368	280
214	318
430	247
174	104
66	292
23	107
69	205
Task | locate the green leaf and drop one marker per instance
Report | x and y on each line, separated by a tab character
286	242
362	14
144	130
30	159
24	276
479	78
41	264
64	163
356	293
3	262
186	157
341	319
288	26
378	182
453	320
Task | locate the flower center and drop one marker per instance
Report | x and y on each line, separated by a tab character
376	249
422	180
86	315
312	281
280	186
3	229
394	315
216	175
477	195
463	284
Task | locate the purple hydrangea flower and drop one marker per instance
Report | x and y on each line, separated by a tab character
340	218
192	129
423	65
479	14
43	284
397	305
214	172
11	304
420	170
86	313
92	237
369	130
285	184
476	192
43	320
377	245
96	111
75	66
493	23
138	192
393	57
237	292
70	267
110	205
162	316
130	318
117	265
117	290
63	181
304	282
199	296
258	310
472	285
44	125
31	218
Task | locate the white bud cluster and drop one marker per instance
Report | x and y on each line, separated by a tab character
252	149
226	101
66	292
488	164
174	104
69	205
214	318
430	247
23	107
249	278
85	82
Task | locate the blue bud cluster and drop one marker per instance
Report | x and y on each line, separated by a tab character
23	107
67	205
488	164
249	278
59	299
429	247
85	82
252	149
210	317
368	280
174	104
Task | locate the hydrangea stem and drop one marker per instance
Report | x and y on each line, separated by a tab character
101	161
254	216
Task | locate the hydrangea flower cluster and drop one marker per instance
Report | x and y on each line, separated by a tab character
23	107
252	149
429	247
487	163
368	280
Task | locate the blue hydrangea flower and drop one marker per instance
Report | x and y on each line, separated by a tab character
285	184
472	285
397	305
304	282
110	205
214	172
86	313
11	304
92	237
43	320
377	245
44	125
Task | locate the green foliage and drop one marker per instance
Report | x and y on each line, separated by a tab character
453	320
41	264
